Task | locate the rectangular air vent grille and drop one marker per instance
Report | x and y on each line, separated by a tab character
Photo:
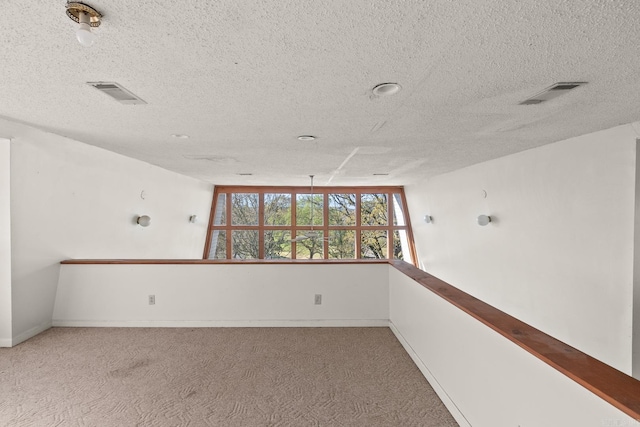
117	92
551	92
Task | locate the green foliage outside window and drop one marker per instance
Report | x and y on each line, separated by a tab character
277	225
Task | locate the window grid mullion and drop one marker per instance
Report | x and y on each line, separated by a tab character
325	225
261	225
227	206
294	224
358	225
390	236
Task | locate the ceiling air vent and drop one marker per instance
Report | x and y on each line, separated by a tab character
117	92
552	92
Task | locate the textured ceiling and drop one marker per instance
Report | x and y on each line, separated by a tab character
244	78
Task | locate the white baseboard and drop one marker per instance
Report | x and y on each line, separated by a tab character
5	342
30	333
321	323
442	394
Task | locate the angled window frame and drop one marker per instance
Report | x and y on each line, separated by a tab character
394	210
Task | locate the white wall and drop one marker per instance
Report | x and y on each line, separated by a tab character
72	200
559	255
636	272
482	377
222	295
455	352
5	244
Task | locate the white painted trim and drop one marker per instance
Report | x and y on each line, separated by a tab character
337	323
30	333
6	312
635	317
442	394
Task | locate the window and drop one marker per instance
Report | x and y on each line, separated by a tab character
293	223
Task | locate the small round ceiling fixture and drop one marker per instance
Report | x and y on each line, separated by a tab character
386	89
306	138
180	136
87	17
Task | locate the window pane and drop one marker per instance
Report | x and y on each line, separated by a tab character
310	248
304	212
374	244
244	244
277	244
220	217
373	209
218	248
400	245
398	210
342	244
342	209
244	209
277	209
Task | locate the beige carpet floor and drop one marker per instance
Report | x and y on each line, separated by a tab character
215	377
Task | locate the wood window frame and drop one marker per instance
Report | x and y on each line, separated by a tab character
228	190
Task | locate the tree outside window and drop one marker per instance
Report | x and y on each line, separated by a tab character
292	223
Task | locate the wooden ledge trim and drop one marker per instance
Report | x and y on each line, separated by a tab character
225	261
617	388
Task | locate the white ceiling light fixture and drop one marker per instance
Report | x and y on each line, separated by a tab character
386	89
428	219
306	138
180	136
87	17
144	220
484	220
